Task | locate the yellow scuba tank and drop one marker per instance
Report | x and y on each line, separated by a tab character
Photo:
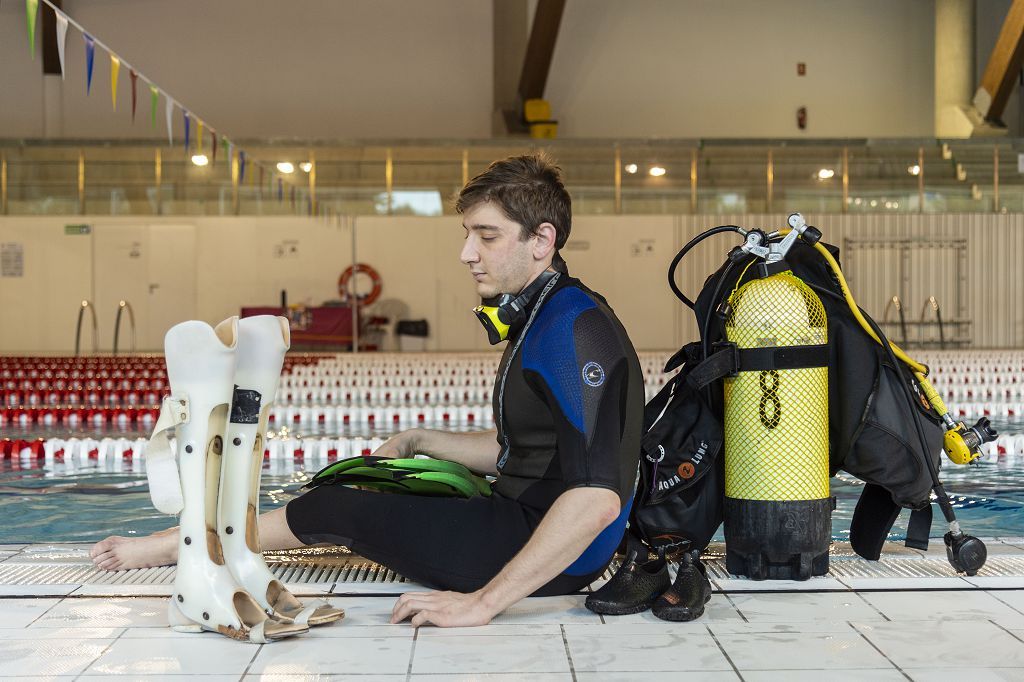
777	506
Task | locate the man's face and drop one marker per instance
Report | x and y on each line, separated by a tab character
499	261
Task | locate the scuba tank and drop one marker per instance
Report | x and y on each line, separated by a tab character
777	506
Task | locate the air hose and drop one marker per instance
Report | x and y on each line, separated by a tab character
962	443
965	553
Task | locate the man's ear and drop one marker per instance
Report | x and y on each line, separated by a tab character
544	247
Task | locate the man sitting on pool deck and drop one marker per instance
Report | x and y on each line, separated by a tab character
568	405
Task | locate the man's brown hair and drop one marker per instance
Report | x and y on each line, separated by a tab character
528	189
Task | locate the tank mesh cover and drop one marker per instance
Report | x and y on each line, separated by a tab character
776	421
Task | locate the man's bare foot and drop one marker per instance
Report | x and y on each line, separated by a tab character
118	553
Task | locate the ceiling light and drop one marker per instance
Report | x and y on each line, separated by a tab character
657	171
200	159
630	168
914	170
285	167
306	166
873	203
825	173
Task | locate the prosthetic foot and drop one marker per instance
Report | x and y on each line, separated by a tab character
262	343
200	366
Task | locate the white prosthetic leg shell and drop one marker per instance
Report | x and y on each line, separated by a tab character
200	365
262	343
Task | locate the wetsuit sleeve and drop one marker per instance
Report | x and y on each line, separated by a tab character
582	375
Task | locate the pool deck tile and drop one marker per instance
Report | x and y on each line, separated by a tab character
799	636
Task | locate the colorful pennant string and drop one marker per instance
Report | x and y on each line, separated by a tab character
63	21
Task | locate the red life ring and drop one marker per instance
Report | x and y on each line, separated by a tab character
361	299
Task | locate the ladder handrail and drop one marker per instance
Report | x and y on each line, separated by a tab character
121	306
895	301
938	316
78	329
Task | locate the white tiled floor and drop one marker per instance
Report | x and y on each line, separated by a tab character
870	628
812	636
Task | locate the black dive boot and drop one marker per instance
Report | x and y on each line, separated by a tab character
689	593
634	587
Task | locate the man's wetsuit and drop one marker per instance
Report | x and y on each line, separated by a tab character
568	402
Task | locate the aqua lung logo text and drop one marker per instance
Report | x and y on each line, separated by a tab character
675	479
593	374
698	456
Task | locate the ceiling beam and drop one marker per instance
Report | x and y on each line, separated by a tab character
1004	65
540	49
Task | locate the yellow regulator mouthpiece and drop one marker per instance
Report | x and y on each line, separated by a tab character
497	331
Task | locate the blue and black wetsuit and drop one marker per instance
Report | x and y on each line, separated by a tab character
568	401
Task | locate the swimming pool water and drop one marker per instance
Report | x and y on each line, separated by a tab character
86	505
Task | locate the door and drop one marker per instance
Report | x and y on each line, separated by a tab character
153	269
171	286
121	273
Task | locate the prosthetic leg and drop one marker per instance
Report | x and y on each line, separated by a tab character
262	343
200	366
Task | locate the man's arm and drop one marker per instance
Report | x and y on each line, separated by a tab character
477	450
570	525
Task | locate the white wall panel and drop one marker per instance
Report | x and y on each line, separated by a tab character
238	261
38	310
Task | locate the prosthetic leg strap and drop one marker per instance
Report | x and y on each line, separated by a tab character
919	527
302	618
161	466
872	520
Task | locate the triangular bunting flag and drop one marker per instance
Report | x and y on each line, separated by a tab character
134	77
241	167
199	137
154	96
90	53
169	111
62	35
115	69
31	13
187	128
213	146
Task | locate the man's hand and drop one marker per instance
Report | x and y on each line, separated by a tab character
476	450
400	445
444	609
